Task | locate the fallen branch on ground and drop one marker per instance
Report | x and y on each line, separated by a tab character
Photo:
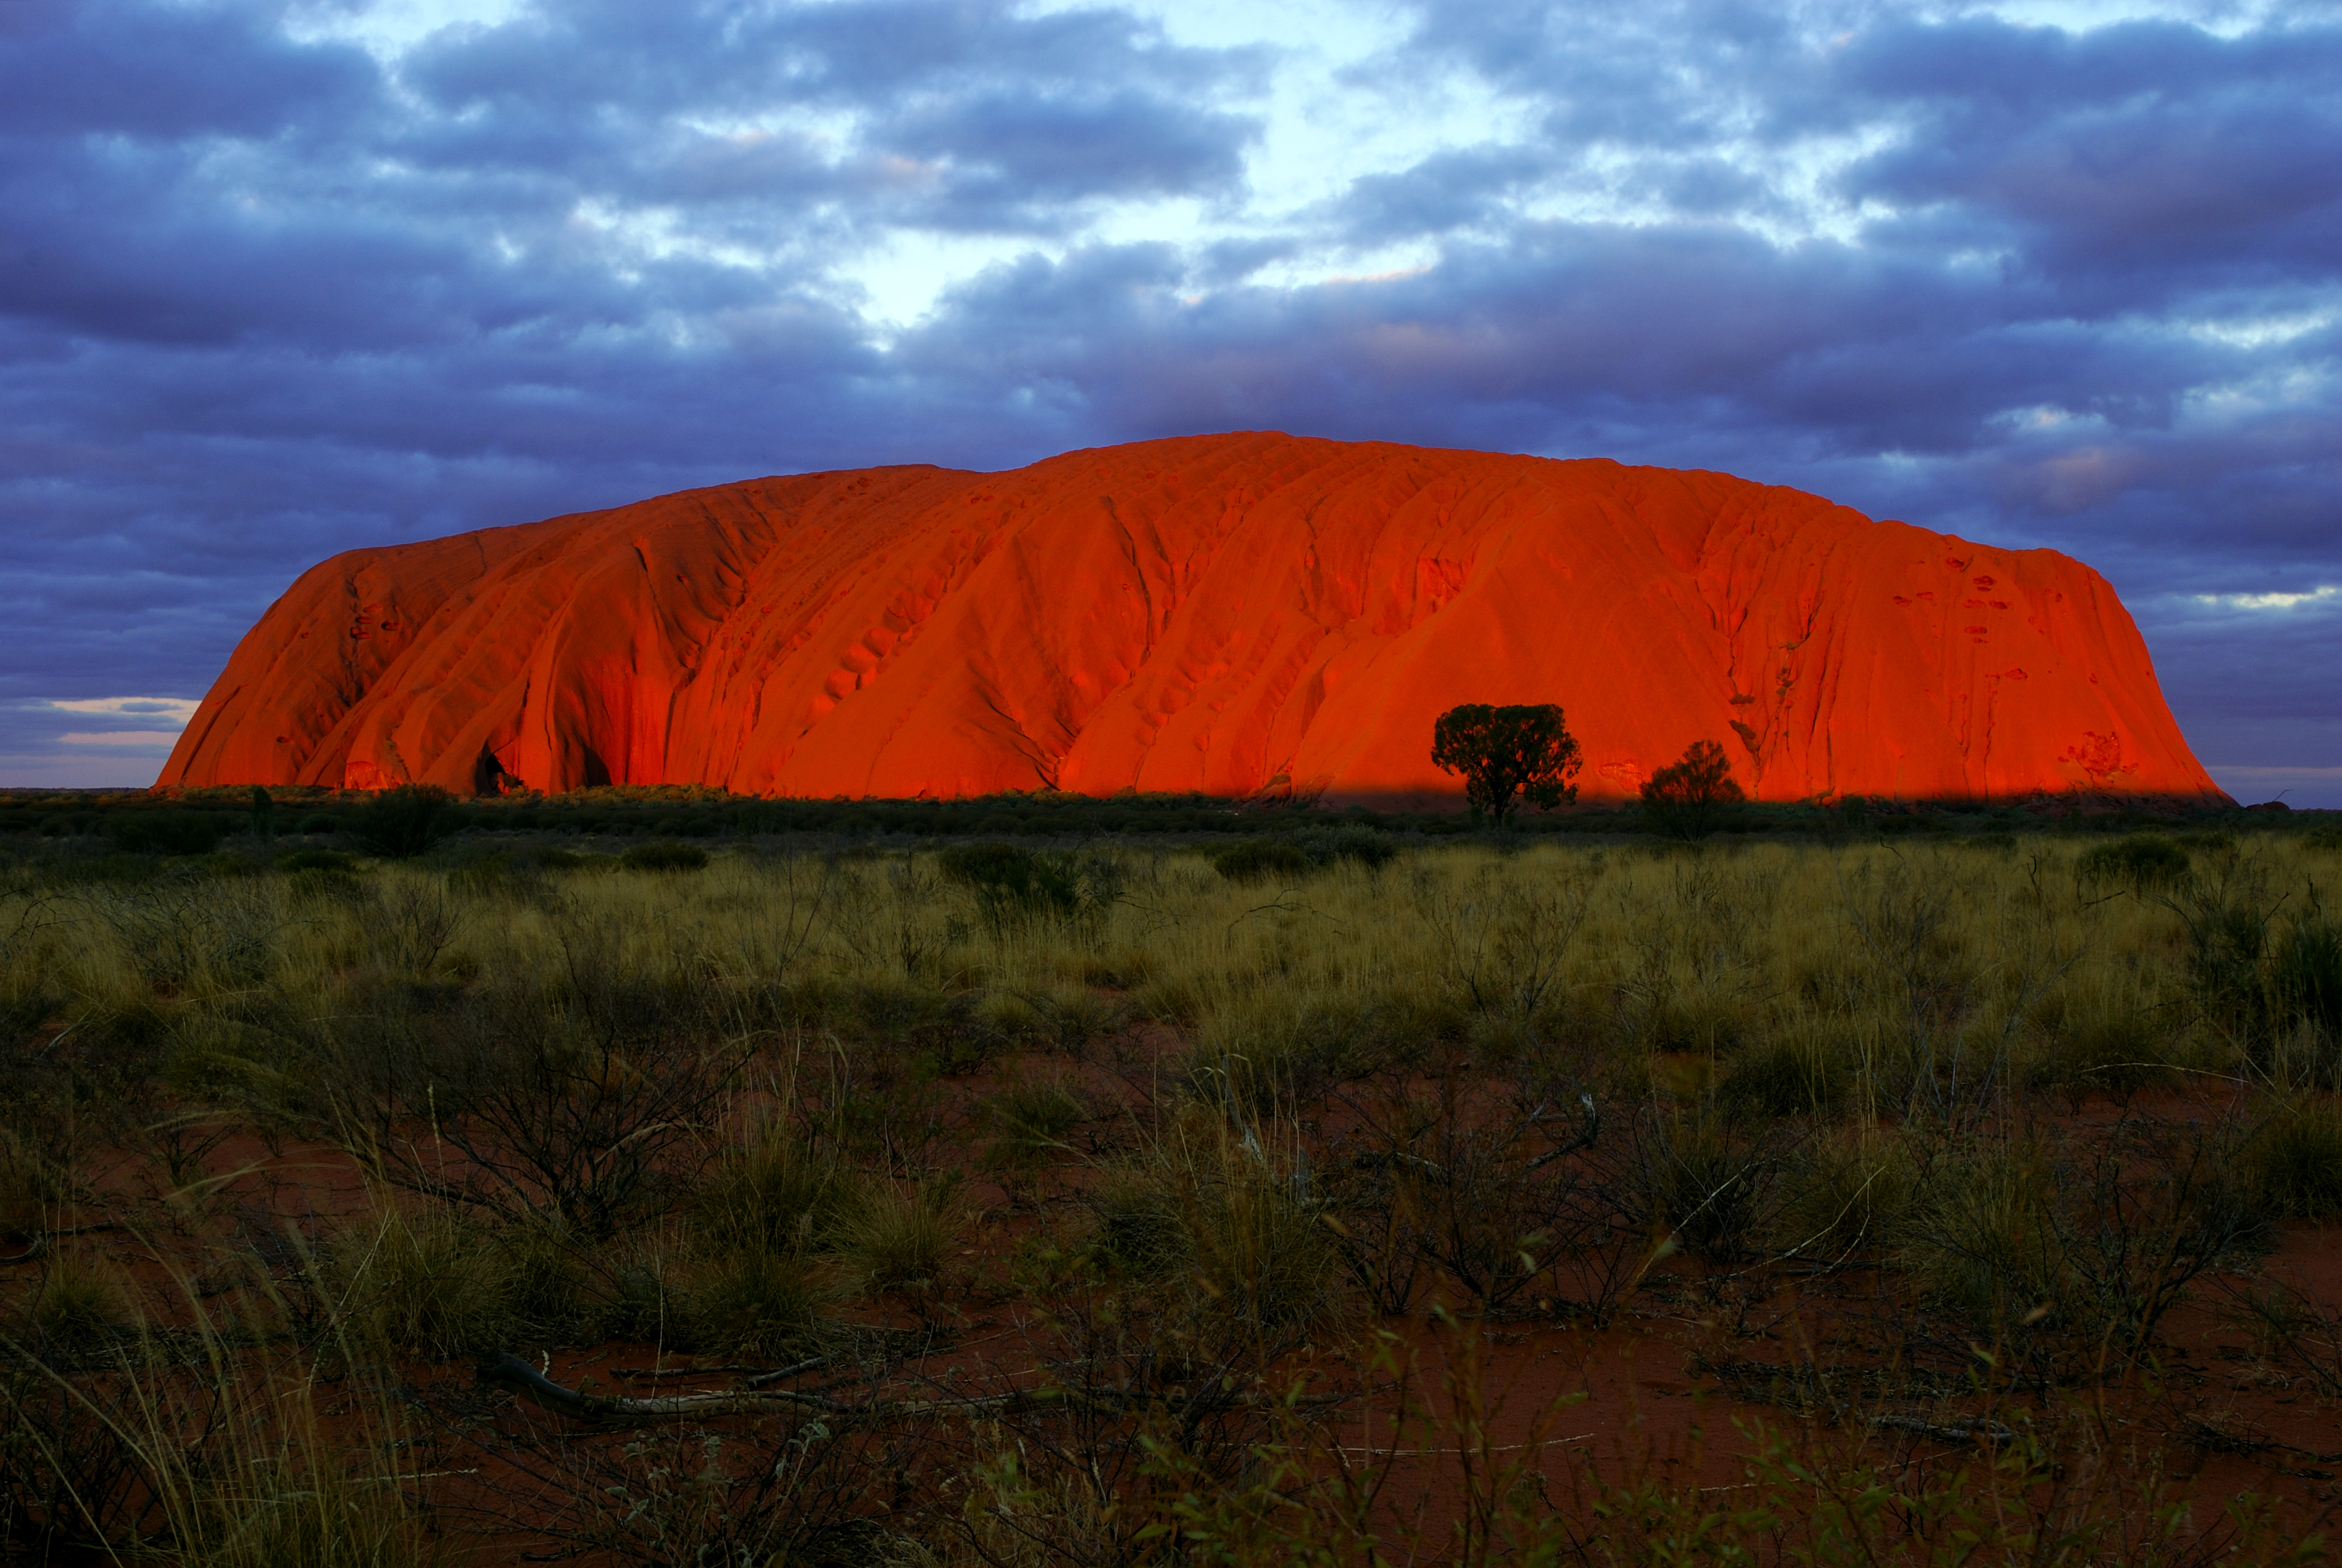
41	1239
603	1410
1990	1433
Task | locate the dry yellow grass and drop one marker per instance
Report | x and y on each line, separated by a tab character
1798	1054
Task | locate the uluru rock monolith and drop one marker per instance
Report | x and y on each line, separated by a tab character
1240	614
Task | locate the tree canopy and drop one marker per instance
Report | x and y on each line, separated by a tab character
1684	798
1524	750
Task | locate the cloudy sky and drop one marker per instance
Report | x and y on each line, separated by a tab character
277	279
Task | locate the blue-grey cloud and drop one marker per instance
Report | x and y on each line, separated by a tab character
267	294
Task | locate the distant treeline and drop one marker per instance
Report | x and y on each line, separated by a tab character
196	821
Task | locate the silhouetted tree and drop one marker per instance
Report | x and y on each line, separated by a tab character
1524	750
1684	798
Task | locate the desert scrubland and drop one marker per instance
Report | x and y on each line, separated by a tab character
1331	1196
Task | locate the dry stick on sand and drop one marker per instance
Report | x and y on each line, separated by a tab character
510	1372
759	1375
1992	1434
41	1239
1586	1133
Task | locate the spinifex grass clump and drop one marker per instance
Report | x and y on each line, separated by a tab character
211	1427
1030	1120
2294	1162
79	1303
777	1189
908	1236
419	1276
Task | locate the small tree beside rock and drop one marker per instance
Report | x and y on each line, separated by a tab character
1686	798
1523	751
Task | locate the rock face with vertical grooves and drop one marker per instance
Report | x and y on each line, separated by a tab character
1240	614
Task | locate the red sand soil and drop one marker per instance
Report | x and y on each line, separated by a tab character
1642	1396
1243	615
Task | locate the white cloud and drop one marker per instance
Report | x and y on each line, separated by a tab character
160	739
2326	594
388	28
174	710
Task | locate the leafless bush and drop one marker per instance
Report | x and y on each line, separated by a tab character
411	924
186	927
1483	1190
511	1105
1702	1179
782	1491
2068	1253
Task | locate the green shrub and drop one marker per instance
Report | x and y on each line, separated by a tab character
2143	862
1788	1075
1255	1053
1012	884
1064	1018
657	856
1138	1220
1261	860
317	860
291	1507
2228	958
1253	1238
1352	842
1706	1178
403	822
29	1188
184	927
1984	1238
166	832
1847	1195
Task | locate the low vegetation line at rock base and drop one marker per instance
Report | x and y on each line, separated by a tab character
136	822
1325	1192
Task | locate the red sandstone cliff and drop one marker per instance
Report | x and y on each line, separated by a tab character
1230	614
